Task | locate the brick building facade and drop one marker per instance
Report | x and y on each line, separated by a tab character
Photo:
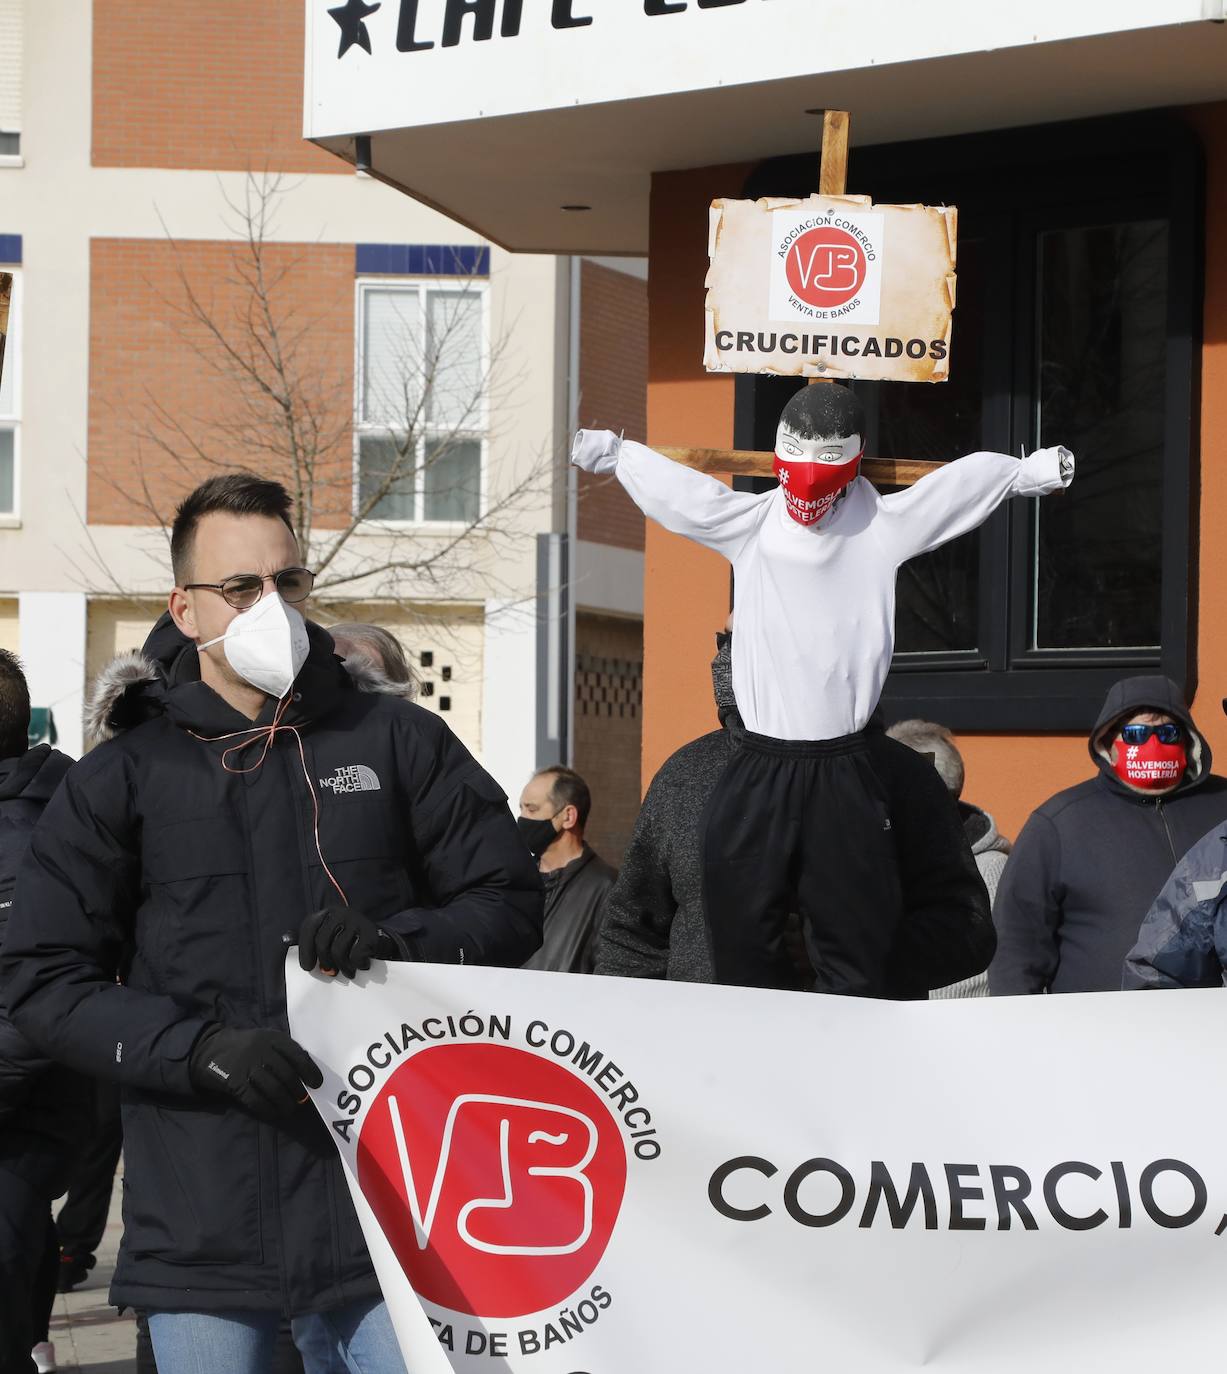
129	146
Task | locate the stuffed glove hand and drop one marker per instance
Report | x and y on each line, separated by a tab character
1045	470
596	450
342	940
262	1070
1058	457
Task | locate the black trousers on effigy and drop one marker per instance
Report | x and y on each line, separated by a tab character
802	829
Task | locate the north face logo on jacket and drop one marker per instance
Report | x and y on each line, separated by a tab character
354	777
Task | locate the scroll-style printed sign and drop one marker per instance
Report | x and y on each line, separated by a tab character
559	1174
831	286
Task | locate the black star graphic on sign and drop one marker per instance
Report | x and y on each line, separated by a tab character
351	20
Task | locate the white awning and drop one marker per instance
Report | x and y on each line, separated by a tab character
502	119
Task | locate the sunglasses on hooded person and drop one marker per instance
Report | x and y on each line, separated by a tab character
1166	733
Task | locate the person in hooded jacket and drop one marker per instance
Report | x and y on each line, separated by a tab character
655	925
250	798
989	847
44	1108
1090	861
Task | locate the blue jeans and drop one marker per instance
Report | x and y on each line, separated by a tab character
357	1339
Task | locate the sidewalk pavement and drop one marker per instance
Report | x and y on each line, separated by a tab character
89	1335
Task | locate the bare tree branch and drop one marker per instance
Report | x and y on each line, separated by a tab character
412	445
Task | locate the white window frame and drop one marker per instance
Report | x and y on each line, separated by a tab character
12	421
13	54
481	434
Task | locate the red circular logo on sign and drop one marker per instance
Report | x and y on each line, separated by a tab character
826	267
496	1175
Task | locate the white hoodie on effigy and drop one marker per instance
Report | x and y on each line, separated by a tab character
816	603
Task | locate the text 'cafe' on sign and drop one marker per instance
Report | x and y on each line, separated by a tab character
831	286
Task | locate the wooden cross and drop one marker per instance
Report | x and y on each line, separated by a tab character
744	462
895	472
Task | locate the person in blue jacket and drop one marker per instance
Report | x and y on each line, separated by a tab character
1182	942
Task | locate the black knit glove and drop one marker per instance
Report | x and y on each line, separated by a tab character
342	940
262	1070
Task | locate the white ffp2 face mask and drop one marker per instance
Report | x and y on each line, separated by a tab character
266	645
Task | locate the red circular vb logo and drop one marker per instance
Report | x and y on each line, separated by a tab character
496	1175
826	267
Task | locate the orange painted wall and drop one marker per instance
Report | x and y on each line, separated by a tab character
686	590
1210	121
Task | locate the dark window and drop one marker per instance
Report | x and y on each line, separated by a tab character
1096	556
1077	322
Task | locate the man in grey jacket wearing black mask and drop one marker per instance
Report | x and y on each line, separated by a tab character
554	810
1092	859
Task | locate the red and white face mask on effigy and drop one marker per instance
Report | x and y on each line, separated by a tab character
1153	766
812	472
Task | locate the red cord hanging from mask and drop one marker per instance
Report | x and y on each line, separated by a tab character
267	734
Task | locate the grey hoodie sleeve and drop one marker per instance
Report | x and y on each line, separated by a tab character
1176	946
639	908
1027	912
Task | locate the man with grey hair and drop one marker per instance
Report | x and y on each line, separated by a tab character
988	846
372	647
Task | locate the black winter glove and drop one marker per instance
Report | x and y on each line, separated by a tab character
342	940
262	1070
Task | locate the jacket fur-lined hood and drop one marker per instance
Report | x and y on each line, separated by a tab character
104	714
113	705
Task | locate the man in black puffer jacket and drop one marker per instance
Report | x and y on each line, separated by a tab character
44	1109
251	798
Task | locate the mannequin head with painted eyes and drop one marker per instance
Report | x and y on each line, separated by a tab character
818	448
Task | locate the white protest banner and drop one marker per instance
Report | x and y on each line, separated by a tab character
563	1174
830	286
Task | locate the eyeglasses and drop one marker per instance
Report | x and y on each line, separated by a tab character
1167	733
243	590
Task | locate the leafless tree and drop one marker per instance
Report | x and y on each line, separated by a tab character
281	406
